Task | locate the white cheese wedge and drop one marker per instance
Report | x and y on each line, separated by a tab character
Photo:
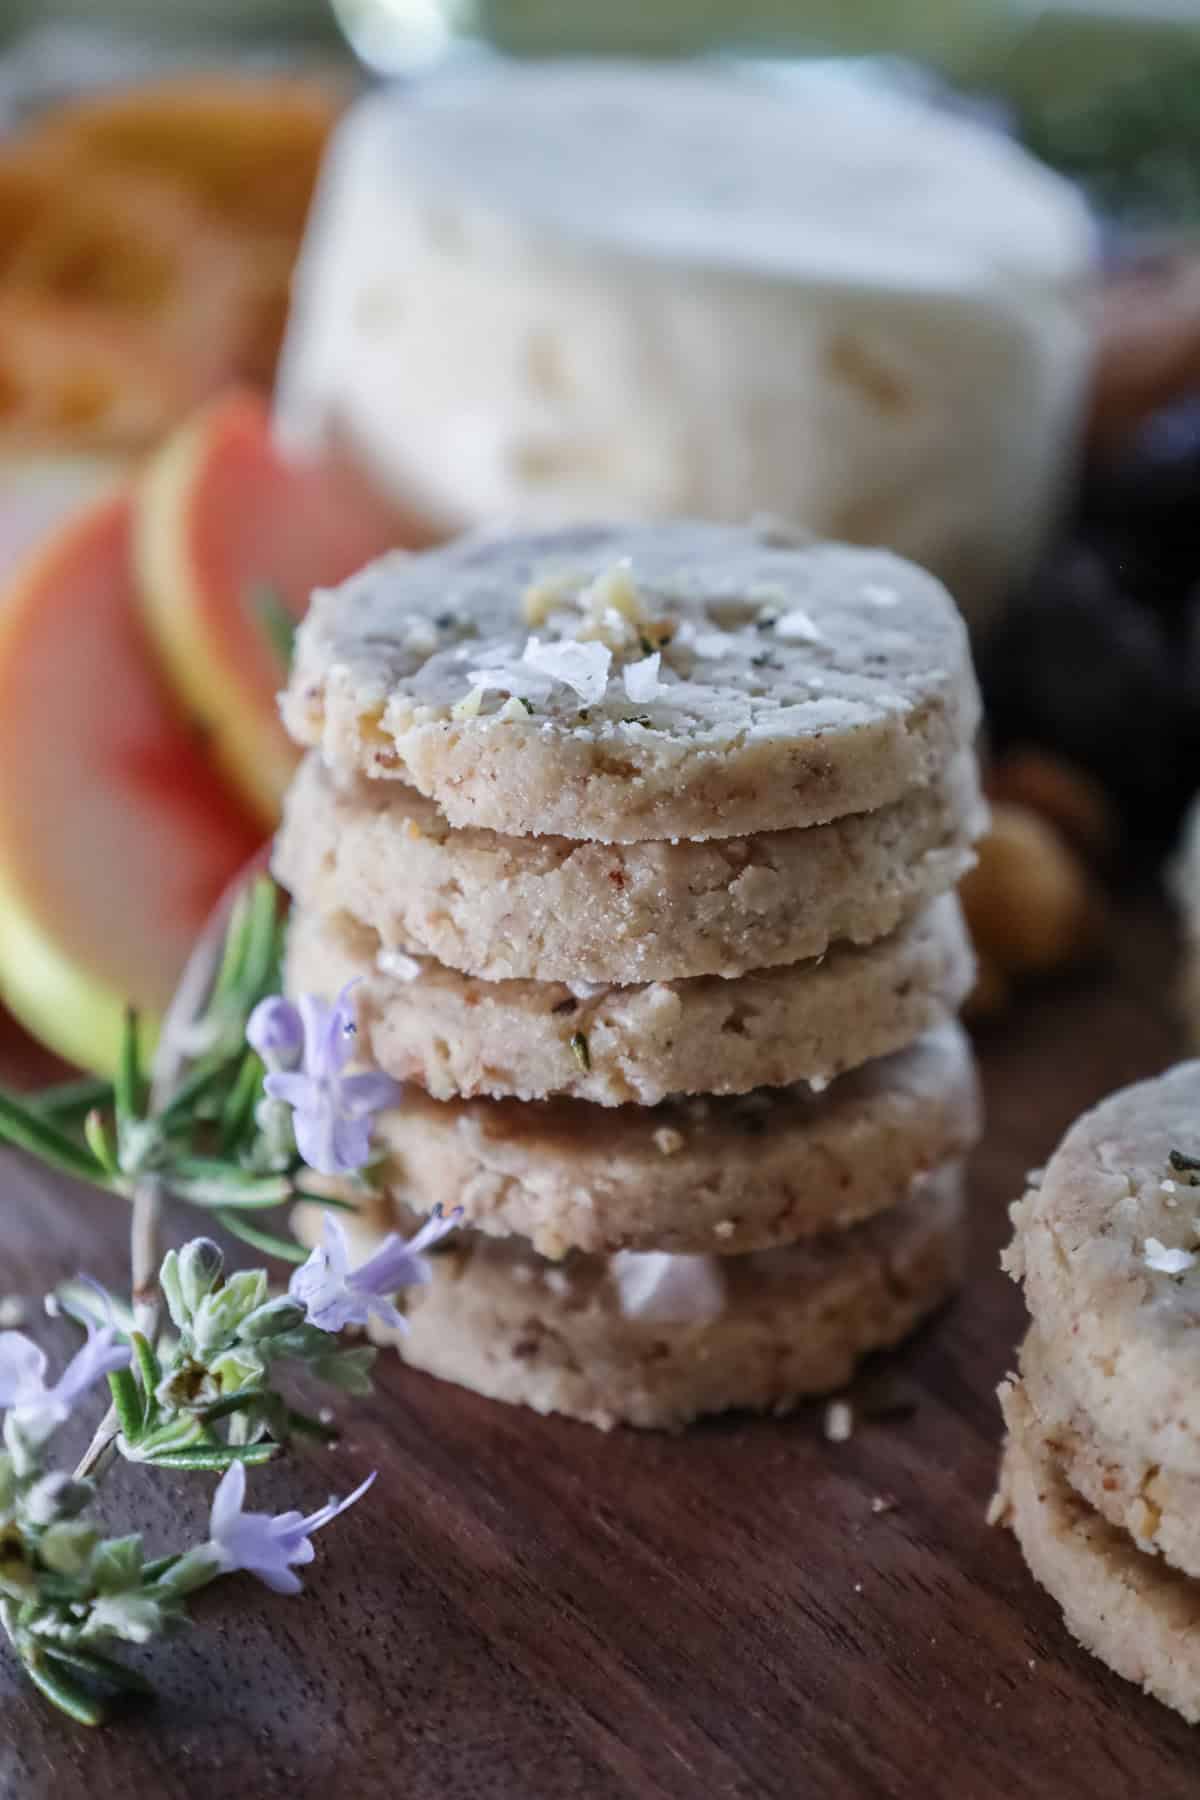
532	295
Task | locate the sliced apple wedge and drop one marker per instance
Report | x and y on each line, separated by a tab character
223	524
116	837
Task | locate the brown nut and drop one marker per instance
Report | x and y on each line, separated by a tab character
1148	346
1028	900
1070	799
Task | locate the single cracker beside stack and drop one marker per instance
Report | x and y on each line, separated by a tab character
639	845
1100	1479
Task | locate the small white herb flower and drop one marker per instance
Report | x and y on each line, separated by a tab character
264	1544
334	1295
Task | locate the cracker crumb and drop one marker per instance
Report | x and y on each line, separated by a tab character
586	990
796	627
615	589
468	707
883	1503
612	608
541	597
1144	1521
514	709
724	1228
670	1142
398	964
839	1422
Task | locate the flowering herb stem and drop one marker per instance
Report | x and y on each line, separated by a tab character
250	1103
104	1669
148	1364
237	1110
69	1102
128	1087
168	1073
215	1184
65	1695
285	1249
28	1130
216	1461
127	1404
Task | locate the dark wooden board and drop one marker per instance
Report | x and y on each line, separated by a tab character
526	1609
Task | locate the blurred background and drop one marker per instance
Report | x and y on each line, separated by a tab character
286	282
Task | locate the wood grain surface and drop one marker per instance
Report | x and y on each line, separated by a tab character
524	1609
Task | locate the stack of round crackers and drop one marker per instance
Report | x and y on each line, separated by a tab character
640	845
1101	1472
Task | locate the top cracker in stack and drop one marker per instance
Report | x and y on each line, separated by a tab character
640	841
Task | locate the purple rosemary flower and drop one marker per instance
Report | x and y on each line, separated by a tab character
266	1544
38	1409
334	1295
332	1111
276	1030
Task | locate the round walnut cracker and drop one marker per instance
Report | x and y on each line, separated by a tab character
1159	1509
457	1036
1133	1611
739	1173
499	1320
625	683
1095	1244
553	909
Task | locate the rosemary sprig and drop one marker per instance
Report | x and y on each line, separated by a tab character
69	1102
244	1086
195	1130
